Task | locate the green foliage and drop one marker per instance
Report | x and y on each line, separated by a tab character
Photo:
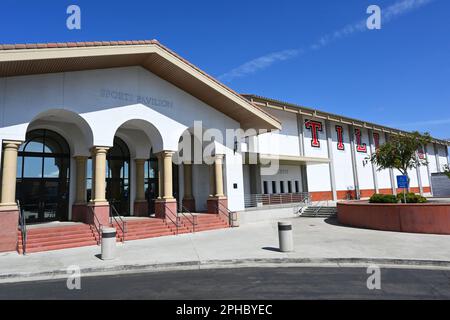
400	152
447	170
411	198
383	198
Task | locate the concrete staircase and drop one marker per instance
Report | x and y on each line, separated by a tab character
80	235
205	222
144	229
151	228
319	212
55	238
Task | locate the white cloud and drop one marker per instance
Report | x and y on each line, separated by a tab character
395	10
260	63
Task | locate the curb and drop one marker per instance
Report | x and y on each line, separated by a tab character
224	264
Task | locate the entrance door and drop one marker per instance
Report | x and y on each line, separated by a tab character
151	182
118	177
43	177
43	200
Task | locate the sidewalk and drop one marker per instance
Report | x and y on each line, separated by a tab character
317	242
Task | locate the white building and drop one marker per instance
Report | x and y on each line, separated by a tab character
89	125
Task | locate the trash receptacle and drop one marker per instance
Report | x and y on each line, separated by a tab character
285	236
234	219
108	243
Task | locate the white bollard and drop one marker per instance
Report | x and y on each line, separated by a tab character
108	243
285	236
234	219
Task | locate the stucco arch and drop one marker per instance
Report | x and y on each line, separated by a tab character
68	124
162	131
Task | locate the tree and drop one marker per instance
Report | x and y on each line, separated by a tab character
447	170
400	152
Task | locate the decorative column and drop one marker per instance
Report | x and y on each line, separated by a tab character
9	213
167	205
140	203
188	199
218	200
99	203
160	175
79	209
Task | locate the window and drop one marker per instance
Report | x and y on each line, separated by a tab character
281	186
274	187
297	189
43	165
289	186
265	187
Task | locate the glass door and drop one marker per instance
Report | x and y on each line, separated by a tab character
151	183
43	177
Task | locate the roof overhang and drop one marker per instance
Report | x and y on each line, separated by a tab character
285	159
154	57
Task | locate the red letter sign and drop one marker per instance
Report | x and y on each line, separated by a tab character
376	140
315	127
340	138
421	153
360	147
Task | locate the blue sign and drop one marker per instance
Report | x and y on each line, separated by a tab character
402	182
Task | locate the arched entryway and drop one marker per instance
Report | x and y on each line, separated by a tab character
151	181
43	167
118	176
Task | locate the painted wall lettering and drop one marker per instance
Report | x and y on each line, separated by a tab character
314	127
376	140
421	153
360	147
340	138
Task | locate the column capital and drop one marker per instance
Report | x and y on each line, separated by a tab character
140	161
219	156
80	158
11	144
166	153
99	149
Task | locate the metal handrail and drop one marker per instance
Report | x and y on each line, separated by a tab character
114	214
97	228
167	216
228	213
23	228
194	218
257	200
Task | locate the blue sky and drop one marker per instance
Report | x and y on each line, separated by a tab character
397	76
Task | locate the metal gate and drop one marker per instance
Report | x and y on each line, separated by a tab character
441	185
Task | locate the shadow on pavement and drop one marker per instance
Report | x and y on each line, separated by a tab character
271	249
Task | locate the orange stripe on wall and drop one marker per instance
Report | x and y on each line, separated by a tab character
345	194
321	195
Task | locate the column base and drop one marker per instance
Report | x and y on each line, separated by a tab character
101	210
189	204
9	224
141	208
165	207
214	203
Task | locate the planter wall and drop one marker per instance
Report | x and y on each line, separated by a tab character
417	218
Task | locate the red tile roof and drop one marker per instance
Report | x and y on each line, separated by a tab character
74	44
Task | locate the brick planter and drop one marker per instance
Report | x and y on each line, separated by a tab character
431	218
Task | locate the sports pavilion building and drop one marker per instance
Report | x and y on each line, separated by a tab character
91	130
